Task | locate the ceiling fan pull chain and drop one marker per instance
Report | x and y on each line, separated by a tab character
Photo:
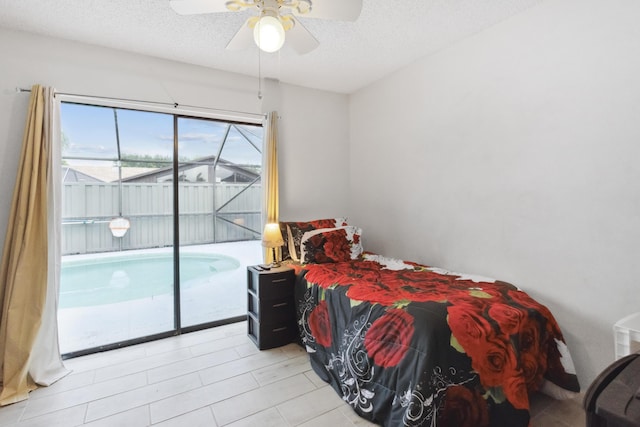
259	75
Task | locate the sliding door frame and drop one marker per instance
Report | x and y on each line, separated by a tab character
231	117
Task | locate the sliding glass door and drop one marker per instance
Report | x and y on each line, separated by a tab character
161	215
219	197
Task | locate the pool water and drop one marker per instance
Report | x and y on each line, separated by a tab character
114	279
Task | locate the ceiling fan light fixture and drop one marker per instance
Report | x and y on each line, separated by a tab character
269	33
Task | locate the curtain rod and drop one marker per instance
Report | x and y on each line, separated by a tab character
166	104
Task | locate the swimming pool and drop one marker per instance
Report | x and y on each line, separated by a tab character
113	279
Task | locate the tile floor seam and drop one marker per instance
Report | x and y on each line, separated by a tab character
154	356
24	408
35	419
282	416
87	403
274	404
86	411
187	371
151	423
314	417
52	389
86	421
206	405
323	413
215	419
213	415
194	344
253	375
240	373
160	366
83	402
149	414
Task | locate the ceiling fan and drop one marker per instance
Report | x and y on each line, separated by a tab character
274	17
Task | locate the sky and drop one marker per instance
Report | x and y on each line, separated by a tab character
90	133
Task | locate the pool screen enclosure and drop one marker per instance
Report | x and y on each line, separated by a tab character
143	184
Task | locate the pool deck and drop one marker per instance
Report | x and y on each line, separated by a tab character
226	297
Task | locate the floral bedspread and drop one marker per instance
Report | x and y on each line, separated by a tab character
409	345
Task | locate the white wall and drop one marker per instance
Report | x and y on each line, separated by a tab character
314	166
312	122
515	154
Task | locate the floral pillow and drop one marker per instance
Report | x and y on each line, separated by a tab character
285	236
293	232
331	245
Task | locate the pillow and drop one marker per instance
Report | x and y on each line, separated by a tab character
295	230
285	236
331	245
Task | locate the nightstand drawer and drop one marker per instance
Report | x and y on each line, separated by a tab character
271	285
278	311
271	310
270	335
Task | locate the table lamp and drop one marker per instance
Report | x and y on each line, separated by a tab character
272	238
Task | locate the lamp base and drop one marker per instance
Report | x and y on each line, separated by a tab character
275	263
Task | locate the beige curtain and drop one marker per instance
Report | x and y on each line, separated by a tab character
27	320
270	177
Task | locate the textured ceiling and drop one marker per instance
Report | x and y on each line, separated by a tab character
388	35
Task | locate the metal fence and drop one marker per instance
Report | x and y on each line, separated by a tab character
87	209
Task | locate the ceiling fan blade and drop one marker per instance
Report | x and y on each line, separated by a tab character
341	10
300	39
242	39
194	7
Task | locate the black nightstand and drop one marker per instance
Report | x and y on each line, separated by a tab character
271	314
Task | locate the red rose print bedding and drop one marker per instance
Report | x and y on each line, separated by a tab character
409	345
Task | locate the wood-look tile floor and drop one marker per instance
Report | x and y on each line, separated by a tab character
208	378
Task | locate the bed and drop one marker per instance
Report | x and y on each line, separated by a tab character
407	344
